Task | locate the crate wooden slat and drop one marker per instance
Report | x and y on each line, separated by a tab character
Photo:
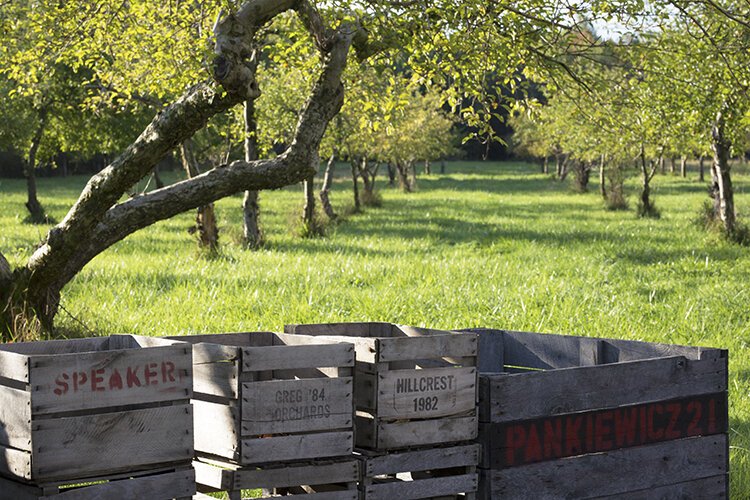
566	416
178	483
444	472
334	479
269	397
413	386
87	407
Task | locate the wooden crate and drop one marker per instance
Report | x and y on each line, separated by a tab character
160	484
413	386
333	479
444	472
72	409
270	397
573	417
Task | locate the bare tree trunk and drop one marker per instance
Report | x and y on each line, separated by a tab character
602	179
403	176
392	173
722	187
701	169
250	203
205	218
662	163
36	211
646	207
364	173
308	213
355	184
99	219
157	178
545	165
672	164
427	167
683	166
326	188
442	167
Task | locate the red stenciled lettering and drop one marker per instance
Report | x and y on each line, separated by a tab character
533	450
589	432
79	379
96	379
602	431
132	377
696	408
553	438
515	439
115	380
62	385
167	372
149	372
712	416
643	427
672	432
654	433
572	436
625	426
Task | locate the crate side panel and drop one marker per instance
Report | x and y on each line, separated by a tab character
402	434
455	345
538	350
52	347
288	406
284	357
14	366
341	329
614	473
217	428
346	471
90	380
422	488
84	446
421	460
426	393
13	490
15	463
180	484
15	418
630	350
296	447
216	379
228	339
601	386
710	487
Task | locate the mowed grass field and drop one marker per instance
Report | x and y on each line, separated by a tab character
486	244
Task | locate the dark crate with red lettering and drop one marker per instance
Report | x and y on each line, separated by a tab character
413	386
74	409
267	397
573	417
447	472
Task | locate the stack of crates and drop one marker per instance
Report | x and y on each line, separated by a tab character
416	408
274	412
105	417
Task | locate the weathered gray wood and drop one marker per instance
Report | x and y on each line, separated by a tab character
709	488
614	473
283	357
426	393
422	488
216	379
72	447
628	350
86	380
50	347
244	339
13	490
490	351
15	418
205	352
383	435
351	494
289	406
217	429
577	389
346	329
296	447
437	346
420	460
591	352
365	390
15	463
536	350
14	366
178	484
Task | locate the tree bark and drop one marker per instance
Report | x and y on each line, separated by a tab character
97	220
427	167
392	173
672	164
647	208
403	176
545	165
701	169
683	166
355	184
36	211
602	179
662	163
157	178
308	213
326	188
205	217
250	203
722	190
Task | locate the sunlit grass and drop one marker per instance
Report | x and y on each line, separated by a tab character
494	245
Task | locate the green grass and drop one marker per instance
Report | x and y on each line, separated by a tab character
495	245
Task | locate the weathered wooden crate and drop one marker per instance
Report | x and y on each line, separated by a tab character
157	484
444	472
270	397
413	386
333	479
72	409
574	417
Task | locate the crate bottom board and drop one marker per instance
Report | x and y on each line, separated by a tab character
696	467
334	479
383	435
154	485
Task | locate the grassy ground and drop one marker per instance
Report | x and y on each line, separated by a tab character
494	245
